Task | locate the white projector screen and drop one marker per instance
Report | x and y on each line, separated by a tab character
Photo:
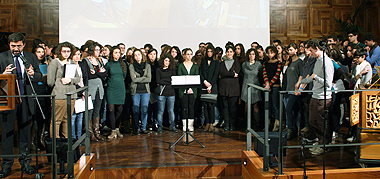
184	23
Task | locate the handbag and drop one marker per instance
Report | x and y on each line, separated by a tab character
211	98
159	89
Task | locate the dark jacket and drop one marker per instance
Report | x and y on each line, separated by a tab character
210	74
228	84
6	58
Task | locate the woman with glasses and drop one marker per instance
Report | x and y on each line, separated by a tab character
96	73
252	70
61	85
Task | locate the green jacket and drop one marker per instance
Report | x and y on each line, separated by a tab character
194	70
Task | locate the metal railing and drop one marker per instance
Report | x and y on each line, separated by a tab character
281	146
54	142
86	136
251	132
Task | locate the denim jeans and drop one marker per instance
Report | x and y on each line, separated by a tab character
76	123
170	100
140	99
292	111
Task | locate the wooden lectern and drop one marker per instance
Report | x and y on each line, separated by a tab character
7	88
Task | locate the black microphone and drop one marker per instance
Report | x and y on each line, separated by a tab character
23	59
322	43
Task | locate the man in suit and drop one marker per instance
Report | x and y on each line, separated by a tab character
16	61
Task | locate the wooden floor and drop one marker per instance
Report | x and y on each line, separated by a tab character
148	156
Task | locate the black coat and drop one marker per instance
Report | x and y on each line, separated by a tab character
210	74
228	84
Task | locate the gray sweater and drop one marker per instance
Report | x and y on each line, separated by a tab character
318	80
146	78
54	76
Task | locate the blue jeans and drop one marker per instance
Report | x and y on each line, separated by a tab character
292	110
76	123
170	108
140	99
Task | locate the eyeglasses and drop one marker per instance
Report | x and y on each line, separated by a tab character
350	35
66	51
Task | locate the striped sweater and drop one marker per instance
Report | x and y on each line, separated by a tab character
271	73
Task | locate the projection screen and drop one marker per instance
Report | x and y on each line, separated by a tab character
184	23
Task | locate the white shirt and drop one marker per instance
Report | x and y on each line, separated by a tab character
21	63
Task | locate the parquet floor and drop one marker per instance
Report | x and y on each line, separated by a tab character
222	148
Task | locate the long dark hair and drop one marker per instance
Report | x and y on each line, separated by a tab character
179	55
147	56
249	52
172	65
111	59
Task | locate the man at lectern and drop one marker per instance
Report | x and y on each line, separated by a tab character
16	61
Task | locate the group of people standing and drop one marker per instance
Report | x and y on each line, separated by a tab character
131	88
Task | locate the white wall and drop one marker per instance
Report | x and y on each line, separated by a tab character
184	23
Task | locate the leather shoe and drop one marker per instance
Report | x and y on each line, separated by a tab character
5	171
26	167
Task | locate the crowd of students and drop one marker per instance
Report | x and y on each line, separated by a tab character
131	88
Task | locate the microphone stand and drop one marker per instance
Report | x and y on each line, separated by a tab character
38	175
325	110
303	143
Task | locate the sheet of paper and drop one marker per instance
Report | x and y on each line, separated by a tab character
186	80
80	105
70	70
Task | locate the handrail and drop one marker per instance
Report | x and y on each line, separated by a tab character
86	136
281	147
251	132
53	154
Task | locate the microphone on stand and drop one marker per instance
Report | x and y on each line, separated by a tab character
323	45
23	59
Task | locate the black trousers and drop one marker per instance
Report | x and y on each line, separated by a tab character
209	112
230	110
7	121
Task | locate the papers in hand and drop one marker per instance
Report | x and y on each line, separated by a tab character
70	70
186	80
80	105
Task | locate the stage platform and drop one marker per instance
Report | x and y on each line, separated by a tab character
149	156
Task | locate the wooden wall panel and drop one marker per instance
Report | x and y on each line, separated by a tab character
30	2
298	22
321	23
320	2
25	22
278	21
50	20
6	16
342	2
5	2
277	3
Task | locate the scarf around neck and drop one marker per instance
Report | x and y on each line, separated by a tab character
139	67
